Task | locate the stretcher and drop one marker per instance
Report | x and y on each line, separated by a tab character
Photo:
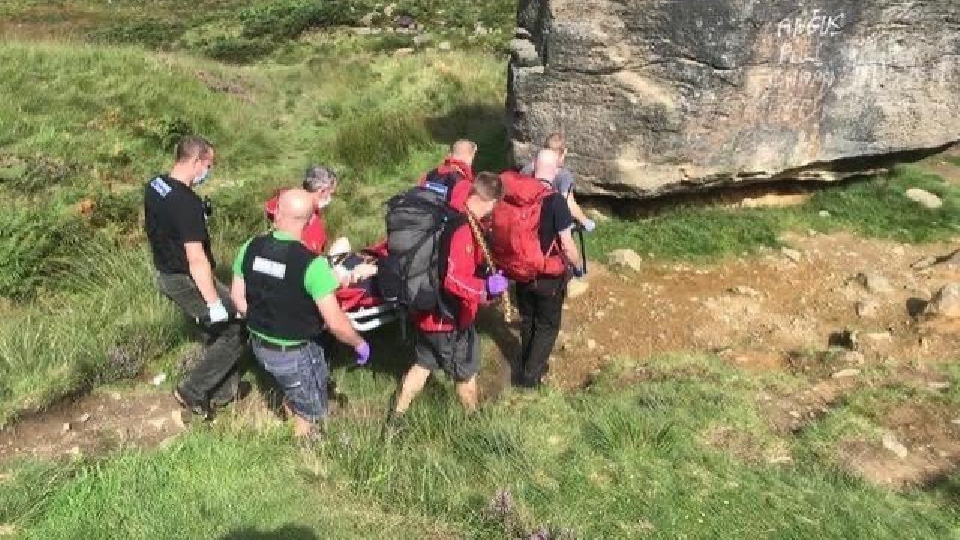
361	301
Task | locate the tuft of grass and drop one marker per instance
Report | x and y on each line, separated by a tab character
71	343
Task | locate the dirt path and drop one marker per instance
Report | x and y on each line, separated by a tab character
760	311
95	424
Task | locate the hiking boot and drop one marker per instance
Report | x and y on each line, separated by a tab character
395	425
196	408
243	390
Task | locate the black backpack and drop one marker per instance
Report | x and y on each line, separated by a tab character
419	222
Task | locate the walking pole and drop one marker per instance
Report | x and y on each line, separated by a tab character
583	248
478	234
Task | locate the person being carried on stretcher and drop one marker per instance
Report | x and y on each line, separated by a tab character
350	269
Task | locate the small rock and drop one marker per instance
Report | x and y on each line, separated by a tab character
844	373
577	288
848	339
824	214
84	418
626	258
66	427
924	198
795	414
867	309
159	379
891	443
879	337
389	9
853	357
924	263
405	21
874	283
367	19
938	385
115	396
178	418
444	46
945	302
524	53
955	421
422	39
522	33
792	254
591	345
743	290
405	51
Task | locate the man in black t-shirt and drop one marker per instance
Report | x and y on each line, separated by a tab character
540	302
175	219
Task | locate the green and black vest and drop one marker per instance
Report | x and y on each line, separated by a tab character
278	304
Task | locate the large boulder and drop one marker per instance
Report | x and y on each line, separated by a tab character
658	97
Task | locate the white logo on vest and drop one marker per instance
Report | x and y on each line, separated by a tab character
268	267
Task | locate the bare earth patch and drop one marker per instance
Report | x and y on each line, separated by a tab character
94	424
921	447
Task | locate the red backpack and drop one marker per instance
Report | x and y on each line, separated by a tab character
516	230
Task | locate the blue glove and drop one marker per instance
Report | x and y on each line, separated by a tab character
589	225
363	353
217	312
497	284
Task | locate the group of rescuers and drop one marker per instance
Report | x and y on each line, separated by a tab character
282	296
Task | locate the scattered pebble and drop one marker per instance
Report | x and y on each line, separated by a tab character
843	373
792	254
66	427
85	417
891	443
159	379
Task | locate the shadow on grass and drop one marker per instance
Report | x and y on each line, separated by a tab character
483	124
288	532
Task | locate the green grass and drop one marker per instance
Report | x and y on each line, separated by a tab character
612	462
875	208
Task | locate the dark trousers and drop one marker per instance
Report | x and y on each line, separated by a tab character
540	304
217	376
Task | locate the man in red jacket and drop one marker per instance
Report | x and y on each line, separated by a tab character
448	340
455	174
321	183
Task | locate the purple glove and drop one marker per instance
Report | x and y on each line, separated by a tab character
497	284
577	272
363	353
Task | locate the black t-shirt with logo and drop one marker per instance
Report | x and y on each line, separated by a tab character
173	216
555	217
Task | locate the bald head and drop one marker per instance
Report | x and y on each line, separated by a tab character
547	164
463	150
293	211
